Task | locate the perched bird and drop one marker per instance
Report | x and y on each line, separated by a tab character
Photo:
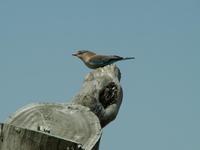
93	61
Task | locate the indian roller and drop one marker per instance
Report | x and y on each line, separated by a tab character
93	60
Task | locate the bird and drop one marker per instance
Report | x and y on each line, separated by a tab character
94	61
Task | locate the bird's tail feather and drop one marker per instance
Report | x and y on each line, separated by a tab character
126	58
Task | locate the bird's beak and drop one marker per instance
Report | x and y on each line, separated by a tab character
74	54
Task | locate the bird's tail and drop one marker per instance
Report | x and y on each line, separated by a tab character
126	58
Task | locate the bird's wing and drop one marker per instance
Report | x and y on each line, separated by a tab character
103	60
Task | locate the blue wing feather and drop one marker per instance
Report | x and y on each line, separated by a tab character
103	60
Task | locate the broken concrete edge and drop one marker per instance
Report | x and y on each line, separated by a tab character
26	107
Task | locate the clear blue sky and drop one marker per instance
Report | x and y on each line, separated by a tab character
161	105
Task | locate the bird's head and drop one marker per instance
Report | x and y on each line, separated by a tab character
82	53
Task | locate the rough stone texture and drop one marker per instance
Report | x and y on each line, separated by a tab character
65	121
102	93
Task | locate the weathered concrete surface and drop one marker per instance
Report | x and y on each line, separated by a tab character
74	126
65	121
102	93
16	138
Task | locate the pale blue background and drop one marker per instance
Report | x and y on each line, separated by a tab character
161	105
